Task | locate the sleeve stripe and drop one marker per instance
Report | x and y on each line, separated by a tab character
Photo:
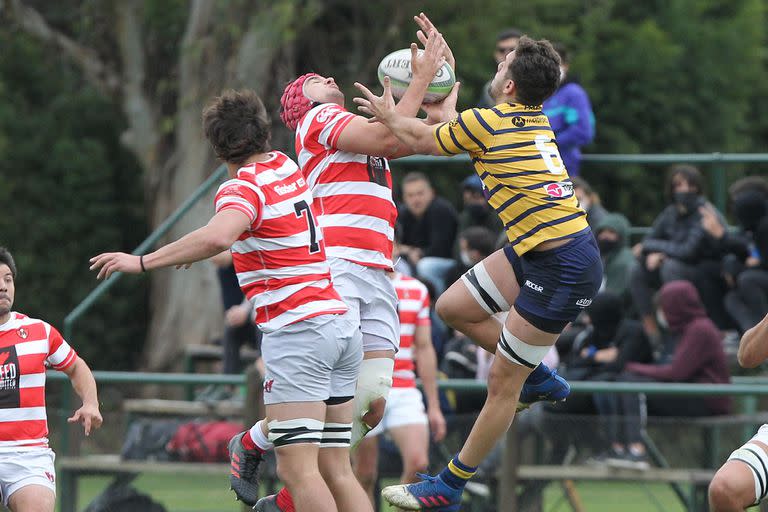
456	141
471	135
67	362
482	122
233	206
342	123
60	355
440	140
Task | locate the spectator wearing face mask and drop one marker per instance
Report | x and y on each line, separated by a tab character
589	201
677	247
612	234
475	244
476	211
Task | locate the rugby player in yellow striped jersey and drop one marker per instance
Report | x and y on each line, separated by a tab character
544	277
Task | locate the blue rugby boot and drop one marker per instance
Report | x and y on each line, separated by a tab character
543	385
432	493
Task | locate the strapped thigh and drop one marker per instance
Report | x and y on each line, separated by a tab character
296	431
754	456
481	286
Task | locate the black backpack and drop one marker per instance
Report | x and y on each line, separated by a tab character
121	497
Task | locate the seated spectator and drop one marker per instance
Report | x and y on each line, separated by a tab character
570	115
589	201
698	357
677	247
477	211
745	265
475	244
428	228
612	234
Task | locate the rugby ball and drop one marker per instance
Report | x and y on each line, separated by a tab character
397	66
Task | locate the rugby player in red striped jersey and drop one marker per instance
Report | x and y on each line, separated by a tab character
27	347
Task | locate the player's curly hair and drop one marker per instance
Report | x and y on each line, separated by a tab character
535	70
237	126
7	259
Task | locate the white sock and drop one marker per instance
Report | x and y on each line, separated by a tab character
257	434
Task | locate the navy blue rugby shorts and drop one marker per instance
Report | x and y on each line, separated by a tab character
556	285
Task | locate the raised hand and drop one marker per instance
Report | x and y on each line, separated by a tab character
426	26
381	107
425	64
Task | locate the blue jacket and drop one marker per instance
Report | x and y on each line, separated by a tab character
570	115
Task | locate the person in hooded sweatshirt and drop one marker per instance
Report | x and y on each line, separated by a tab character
698	357
677	247
612	235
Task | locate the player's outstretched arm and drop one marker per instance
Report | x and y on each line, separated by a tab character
84	384
411	131
218	235
753	349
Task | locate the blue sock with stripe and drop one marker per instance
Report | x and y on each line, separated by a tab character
456	474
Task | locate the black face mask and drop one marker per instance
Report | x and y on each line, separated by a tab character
686	200
607	246
477	211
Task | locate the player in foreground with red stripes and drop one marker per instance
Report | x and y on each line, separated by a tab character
27	347
311	347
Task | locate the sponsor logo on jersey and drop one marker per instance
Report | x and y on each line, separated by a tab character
533	286
285	189
583	302
562	189
518	121
327	113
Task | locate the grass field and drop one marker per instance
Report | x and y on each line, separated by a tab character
206	494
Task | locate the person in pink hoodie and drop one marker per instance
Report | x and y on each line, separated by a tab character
698	357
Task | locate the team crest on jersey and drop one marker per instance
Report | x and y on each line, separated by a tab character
23	333
268	385
51	478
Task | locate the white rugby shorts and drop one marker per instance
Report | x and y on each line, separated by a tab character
19	469
312	360
405	406
371	297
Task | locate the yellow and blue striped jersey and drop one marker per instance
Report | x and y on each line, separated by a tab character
513	150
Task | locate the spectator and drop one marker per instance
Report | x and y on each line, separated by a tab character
698	357
746	263
428	226
677	247
475	244
477	211
506	41
612	235
570	115
589	201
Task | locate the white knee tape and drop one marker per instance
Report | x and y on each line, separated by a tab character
756	459
336	435
374	382
481	286
299	430
520	352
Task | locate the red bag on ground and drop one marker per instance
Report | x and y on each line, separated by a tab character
203	441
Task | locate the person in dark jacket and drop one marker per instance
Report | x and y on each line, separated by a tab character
570	115
698	357
677	247
612	235
428	230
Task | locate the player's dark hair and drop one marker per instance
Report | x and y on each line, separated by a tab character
7	259
689	173
416	176
480	239
509	33
535	71
237	126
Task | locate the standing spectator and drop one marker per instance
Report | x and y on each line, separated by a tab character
612	234
698	357
677	247
506	41
428	227
570	115
589	200
477	211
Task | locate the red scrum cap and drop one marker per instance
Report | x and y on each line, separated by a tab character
293	103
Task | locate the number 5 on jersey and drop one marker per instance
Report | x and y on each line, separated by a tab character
301	207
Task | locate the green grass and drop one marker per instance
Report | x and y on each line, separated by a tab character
210	494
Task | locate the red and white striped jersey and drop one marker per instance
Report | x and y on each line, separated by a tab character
27	347
413	310
353	192
280	261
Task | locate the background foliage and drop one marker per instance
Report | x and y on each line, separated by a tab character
664	76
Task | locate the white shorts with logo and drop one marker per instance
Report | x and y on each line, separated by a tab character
371	297
405	406
312	360
19	469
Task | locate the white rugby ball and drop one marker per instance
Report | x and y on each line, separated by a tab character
397	66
